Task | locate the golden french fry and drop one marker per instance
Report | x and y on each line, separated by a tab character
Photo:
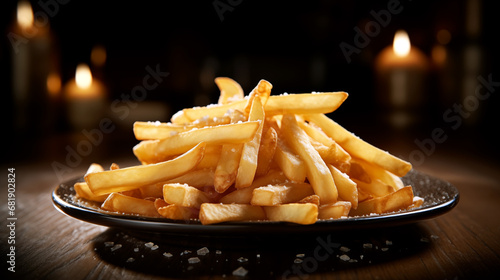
375	171
329	150
244	196
334	211
304	103
230	90
280	194
346	187
158	130
358	172
314	199
94	167
289	162
359	148
375	188
184	195
152	151
117	202
175	212
82	190
398	200
263	91
137	176
227	166
318	173
299	213
211	213
248	162
266	151
199	178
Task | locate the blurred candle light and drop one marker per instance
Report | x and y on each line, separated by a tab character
33	58
401	71
85	99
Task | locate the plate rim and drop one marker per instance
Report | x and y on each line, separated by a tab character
166	226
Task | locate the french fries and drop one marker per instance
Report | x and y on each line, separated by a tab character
261	157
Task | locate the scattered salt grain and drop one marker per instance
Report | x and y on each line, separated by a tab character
168	255
297	260
203	251
136	250
367	245
384	249
149	244
116	247
185	252
129	260
388	242
300	255
344	257
154	247
242	259
193	260
240	271
109	243
434	236
218	252
424	239
344	249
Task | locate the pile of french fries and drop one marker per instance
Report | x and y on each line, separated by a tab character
259	157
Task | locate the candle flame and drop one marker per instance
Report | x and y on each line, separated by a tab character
83	76
401	45
25	16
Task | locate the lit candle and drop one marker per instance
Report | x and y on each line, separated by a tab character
33	59
85	99
401	71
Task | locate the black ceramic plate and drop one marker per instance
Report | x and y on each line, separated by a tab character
439	196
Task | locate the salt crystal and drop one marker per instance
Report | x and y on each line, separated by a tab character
109	243
116	247
240	271
218	252
387	242
129	260
242	259
367	245
136	250
345	257
300	255
149	244
168	255
297	260
203	251
344	249
154	247
193	260
384	249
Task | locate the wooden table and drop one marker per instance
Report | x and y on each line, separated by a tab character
461	244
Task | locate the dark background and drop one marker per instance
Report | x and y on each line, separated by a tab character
292	44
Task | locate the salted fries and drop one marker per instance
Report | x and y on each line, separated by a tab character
261	157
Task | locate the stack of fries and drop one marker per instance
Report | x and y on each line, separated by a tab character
254	158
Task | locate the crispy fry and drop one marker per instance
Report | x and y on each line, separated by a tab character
184	195
82	190
346	187
230	90
152	151
175	212
248	162
398	200
318	173
137	176
117	202
359	148
279	194
266	151
334	211
211	213
299	213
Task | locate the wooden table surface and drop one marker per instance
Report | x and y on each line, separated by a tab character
461	244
